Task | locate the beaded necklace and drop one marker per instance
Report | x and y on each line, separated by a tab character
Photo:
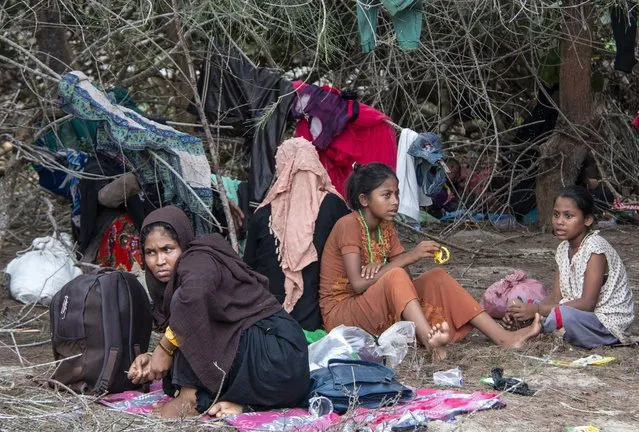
368	239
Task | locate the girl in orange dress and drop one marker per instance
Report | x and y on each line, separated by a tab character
363	282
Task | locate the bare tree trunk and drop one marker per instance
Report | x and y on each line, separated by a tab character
51	36
563	154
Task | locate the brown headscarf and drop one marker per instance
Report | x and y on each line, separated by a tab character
181	224
295	198
212	297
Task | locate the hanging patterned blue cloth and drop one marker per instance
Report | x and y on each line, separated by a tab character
123	132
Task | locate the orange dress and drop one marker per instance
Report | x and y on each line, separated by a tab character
382	304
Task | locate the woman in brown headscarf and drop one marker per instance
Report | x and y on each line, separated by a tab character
225	334
287	233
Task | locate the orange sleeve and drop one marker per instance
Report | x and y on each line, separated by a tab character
396	247
348	240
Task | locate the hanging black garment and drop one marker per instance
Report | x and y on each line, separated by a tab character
623	20
540	123
242	94
542	118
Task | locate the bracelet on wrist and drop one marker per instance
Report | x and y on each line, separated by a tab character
166	350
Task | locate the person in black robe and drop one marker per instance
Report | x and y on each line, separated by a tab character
287	233
228	346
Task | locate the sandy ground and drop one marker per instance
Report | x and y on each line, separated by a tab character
605	396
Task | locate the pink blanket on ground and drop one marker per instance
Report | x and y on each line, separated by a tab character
432	403
136	402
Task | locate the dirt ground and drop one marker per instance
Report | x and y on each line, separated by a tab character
605	396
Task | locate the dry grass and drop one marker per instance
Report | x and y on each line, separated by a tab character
598	394
604	396
601	395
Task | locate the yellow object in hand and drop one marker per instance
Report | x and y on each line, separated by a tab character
442	255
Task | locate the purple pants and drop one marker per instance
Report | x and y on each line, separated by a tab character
583	329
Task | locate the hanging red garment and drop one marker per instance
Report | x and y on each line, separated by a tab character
366	138
120	245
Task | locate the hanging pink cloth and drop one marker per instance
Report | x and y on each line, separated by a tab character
366	138
295	199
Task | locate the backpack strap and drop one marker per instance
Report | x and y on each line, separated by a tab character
335	361
112	325
106	377
129	281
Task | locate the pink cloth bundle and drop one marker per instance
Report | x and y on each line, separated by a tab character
514	286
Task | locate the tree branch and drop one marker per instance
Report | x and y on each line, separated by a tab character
192	80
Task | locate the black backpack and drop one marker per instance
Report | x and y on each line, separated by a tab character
100	322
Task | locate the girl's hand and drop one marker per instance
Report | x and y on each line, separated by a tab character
425	249
522	311
509	321
160	364
370	270
139	369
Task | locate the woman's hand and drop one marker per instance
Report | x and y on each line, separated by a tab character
160	364
370	270
522	311
139	369
425	249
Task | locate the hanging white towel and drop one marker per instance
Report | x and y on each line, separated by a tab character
408	190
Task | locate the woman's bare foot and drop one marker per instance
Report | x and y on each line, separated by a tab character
182	406
517	338
438	338
223	409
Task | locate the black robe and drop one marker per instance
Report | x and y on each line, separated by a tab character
260	254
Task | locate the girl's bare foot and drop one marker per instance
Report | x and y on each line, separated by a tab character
223	409
517	338
438	338
182	406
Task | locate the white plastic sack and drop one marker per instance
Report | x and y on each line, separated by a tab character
393	343
40	273
345	342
